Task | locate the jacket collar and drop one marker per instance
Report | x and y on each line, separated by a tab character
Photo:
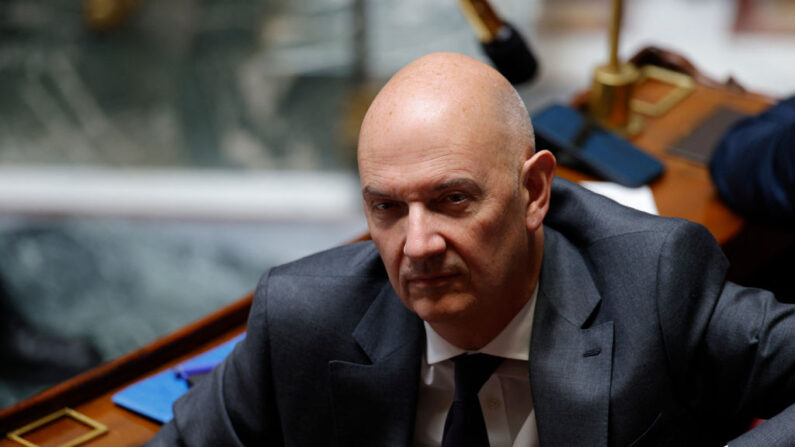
566	280
570	359
377	401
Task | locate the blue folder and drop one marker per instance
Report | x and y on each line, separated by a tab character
153	397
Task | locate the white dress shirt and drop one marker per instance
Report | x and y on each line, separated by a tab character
505	397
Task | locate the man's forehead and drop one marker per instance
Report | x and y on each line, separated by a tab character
440	154
421	161
420	147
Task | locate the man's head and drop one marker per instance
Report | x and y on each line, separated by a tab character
454	194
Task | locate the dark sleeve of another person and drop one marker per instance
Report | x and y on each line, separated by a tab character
753	166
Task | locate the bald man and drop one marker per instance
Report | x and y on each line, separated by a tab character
601	325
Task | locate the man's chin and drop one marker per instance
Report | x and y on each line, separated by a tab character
440	310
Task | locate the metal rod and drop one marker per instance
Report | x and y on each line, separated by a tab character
482	18
615	29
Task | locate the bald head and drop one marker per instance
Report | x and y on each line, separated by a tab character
458	94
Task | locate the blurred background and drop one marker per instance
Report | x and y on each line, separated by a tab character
157	156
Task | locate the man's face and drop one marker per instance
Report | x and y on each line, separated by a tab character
446	212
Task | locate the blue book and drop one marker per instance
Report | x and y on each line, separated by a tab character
153	397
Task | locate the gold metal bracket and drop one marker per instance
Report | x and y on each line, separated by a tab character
682	83
98	429
611	91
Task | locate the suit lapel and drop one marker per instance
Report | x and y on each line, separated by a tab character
376	402
570	359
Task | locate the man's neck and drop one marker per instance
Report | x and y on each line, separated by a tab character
513	342
475	333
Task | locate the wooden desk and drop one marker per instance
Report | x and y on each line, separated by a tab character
90	393
685	190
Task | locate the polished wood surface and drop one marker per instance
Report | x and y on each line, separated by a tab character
684	190
90	392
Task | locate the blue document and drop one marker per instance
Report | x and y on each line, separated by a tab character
154	396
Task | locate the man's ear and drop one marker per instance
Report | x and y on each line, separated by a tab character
537	174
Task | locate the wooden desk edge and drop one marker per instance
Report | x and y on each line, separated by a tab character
105	377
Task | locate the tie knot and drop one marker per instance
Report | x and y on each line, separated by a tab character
471	372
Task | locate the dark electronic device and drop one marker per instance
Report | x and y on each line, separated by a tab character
501	42
511	55
572	135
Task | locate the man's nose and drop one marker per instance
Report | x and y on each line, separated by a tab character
422	236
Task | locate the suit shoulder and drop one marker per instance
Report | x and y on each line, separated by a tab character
358	259
585	218
333	287
321	282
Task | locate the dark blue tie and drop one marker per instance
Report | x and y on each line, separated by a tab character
464	426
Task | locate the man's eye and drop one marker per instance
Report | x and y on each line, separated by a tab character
384	206
457	197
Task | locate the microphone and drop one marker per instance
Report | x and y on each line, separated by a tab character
501	42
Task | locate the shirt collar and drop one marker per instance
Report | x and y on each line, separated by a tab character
512	343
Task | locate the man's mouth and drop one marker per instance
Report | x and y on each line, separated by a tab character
431	279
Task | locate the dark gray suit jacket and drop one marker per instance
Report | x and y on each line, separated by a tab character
637	341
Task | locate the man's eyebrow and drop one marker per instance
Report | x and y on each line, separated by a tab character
457	183
370	191
447	184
